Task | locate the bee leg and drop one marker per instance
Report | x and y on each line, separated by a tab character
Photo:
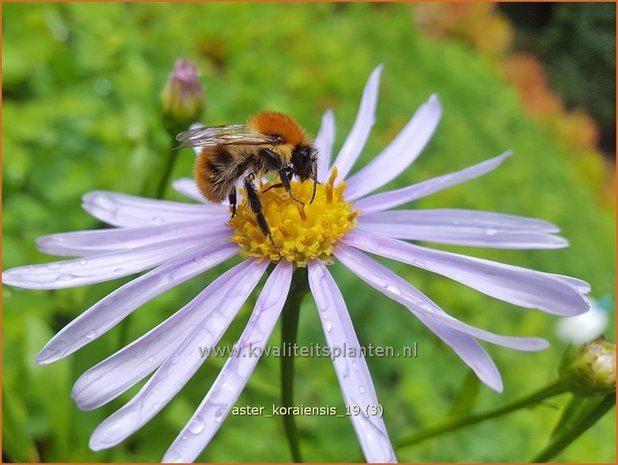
232	198
285	182
288	172
315	186
256	207
274	186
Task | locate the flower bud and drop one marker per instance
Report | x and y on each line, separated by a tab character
182	98
591	368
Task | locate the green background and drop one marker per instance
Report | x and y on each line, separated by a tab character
81	87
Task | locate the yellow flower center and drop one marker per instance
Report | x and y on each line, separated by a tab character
299	233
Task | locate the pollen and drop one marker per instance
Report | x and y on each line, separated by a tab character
299	233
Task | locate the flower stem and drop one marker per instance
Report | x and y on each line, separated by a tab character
567	435
167	169
452	425
289	333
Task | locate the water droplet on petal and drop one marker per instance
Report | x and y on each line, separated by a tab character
328	325
197	425
393	289
53	266
361	389
91	334
151	359
491	232
219	414
83	262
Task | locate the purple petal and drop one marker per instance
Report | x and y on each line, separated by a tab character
103	267
463	227
519	286
128	366
188	188
129	211
224	392
324	143
390	284
469	351
399	154
112	309
359	134
394	198
352	372
97	241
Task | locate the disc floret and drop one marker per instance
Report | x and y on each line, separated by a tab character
299	233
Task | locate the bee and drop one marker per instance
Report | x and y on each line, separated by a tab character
269	142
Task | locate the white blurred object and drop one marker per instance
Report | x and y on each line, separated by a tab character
587	326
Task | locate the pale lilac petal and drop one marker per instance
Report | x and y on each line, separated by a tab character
470	351
394	198
516	285
394	286
399	154
462	344
582	287
352	371
463	227
123	210
81	243
324	143
188	188
128	366
102	267
224	392
365	119
188	357
113	308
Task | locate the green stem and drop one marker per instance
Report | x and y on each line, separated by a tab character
569	434
289	333
452	425
167	170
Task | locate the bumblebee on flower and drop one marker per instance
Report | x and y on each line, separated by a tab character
319	214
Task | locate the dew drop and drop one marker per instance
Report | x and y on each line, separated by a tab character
53	266
175	359
328	325
91	334
83	262
393	289
354	365
63	278
219	414
197	425
491	232
361	389
151	359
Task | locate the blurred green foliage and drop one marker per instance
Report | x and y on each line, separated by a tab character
81	112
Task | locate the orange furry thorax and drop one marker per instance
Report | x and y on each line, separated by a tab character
279	124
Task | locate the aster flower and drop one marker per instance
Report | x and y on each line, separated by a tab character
345	223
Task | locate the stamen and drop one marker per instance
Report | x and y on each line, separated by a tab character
310	232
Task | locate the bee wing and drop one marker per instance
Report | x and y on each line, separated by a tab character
230	134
